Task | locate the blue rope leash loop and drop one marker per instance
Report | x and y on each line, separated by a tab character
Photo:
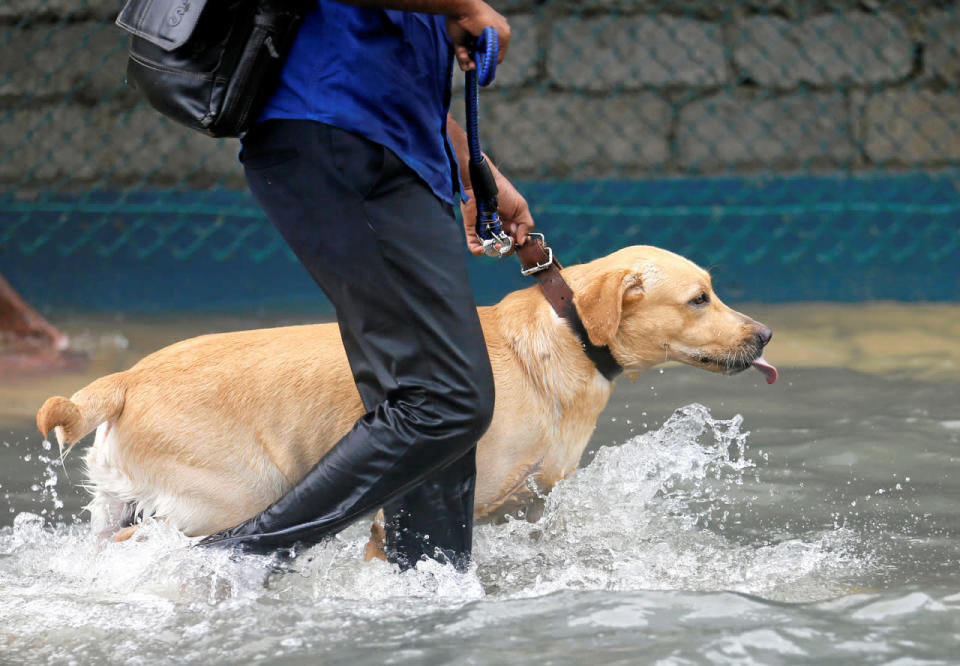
495	242
486	55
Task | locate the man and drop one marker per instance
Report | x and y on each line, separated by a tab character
352	162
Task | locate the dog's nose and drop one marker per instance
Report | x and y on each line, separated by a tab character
763	334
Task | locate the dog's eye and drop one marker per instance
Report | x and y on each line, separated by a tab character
702	299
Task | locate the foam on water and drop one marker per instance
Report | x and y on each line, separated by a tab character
649	514
645	515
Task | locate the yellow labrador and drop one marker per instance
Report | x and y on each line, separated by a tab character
207	432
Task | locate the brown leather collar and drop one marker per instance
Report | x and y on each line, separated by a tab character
537	260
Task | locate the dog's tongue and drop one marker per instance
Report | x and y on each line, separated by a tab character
768	370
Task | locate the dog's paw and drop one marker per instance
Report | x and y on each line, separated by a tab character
378	541
125	533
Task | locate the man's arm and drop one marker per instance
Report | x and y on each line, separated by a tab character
466	19
512	207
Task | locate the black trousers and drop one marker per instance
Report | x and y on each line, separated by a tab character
389	255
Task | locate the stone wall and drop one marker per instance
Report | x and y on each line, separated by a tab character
611	88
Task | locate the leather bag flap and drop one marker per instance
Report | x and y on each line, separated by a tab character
166	23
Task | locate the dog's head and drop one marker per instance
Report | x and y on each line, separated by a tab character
650	306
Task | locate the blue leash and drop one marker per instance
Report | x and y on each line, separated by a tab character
495	242
535	258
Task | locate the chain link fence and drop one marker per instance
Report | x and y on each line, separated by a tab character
802	149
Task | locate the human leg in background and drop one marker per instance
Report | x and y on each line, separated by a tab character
389	256
21	328
29	345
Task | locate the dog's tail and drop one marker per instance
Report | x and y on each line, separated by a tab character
96	403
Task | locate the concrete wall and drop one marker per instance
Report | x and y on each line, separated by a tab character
611	88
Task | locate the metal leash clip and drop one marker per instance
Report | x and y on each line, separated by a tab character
546	248
496	243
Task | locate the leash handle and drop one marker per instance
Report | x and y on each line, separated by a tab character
486	55
495	242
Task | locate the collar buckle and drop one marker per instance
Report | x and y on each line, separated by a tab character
539	266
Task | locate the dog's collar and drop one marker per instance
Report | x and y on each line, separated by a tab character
537	260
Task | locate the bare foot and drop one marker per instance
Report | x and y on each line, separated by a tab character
22	328
28	343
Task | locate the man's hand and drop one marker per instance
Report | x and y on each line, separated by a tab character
514	214
467	24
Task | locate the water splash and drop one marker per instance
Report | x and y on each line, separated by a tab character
649	514
46	485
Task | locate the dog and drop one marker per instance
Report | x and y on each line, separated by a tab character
209	431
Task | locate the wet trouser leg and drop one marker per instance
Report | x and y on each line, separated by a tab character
435	517
388	253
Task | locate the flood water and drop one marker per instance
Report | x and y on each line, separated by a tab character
714	520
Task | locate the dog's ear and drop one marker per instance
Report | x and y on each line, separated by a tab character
600	303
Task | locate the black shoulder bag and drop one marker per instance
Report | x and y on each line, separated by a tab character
210	64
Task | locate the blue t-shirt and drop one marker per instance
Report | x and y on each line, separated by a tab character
382	74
